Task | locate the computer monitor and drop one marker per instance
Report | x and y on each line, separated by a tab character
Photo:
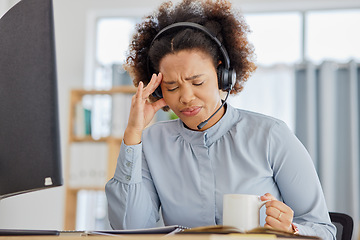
29	121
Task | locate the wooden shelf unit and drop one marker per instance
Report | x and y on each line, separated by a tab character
113	145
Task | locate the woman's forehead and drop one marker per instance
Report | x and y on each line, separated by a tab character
185	60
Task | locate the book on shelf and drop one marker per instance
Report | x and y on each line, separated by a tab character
121	104
101	116
88	164
82	121
87	121
91	211
107	116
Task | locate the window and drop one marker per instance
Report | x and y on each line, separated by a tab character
276	37
333	35
269	91
277	41
113	36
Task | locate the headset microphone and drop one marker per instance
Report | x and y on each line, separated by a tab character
202	124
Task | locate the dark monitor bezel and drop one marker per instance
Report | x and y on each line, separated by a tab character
30	153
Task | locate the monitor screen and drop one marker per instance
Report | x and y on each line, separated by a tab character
29	122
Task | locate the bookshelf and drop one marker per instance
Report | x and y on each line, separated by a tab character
111	143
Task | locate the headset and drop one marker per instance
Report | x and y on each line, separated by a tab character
226	75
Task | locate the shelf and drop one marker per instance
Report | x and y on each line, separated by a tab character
90	139
76	189
115	90
113	148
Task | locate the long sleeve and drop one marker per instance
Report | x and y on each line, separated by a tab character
132	198
298	183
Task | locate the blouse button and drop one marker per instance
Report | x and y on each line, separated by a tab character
128	178
128	164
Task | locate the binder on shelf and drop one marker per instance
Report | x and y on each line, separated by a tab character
101	116
91	210
88	165
121	104
87	121
82	121
79	121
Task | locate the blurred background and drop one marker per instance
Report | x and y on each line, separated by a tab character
308	56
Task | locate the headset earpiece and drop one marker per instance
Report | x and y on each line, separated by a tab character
157	93
226	78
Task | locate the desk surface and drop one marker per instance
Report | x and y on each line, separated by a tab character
155	237
124	237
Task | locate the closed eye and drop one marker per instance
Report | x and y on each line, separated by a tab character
172	89
198	84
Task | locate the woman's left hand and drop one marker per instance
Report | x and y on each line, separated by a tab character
279	215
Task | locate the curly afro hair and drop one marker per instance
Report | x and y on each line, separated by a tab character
217	16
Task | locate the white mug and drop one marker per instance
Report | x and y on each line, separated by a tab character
242	211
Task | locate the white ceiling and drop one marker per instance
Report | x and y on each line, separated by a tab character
145	6
286	5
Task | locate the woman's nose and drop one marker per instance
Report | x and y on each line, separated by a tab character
186	95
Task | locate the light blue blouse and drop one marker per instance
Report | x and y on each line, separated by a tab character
187	173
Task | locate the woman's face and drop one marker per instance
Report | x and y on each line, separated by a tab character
190	87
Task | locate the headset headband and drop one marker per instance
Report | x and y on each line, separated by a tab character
196	26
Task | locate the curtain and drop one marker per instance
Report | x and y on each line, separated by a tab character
269	91
327	123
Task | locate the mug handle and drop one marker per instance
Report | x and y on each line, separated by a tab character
262	203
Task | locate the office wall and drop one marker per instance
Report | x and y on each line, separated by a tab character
286	5
44	209
3	7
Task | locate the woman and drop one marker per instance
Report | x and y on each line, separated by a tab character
187	165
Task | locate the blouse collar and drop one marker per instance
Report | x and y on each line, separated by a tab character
212	134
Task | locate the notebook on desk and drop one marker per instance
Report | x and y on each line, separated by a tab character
259	231
30	232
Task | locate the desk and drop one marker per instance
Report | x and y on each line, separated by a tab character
150	237
124	237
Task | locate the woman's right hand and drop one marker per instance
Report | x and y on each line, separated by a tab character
142	111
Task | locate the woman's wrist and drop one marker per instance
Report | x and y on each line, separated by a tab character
131	137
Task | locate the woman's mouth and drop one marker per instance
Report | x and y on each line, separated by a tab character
192	111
